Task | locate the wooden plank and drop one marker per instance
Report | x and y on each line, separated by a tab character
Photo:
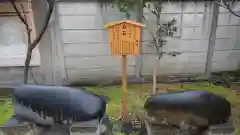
212	38
7	7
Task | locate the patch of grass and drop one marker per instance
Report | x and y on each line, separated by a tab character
6	111
137	95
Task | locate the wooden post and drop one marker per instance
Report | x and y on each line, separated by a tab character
124	39
212	38
124	87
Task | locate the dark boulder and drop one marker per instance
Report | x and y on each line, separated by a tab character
56	104
197	107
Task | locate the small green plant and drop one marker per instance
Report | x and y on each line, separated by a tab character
159	34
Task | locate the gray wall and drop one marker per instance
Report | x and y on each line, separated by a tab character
192	40
85	43
52	71
13	76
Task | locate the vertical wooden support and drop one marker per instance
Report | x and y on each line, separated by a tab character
212	38
124	86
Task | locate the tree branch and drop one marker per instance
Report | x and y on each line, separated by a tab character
229	9
226	6
18	13
45	25
24	15
27	28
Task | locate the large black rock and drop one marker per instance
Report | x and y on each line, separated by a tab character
48	105
198	107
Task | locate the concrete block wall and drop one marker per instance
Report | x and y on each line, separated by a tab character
85	41
86	51
13	76
192	40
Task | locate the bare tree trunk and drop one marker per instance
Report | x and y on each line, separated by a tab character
26	67
32	44
29	52
155	75
157	51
